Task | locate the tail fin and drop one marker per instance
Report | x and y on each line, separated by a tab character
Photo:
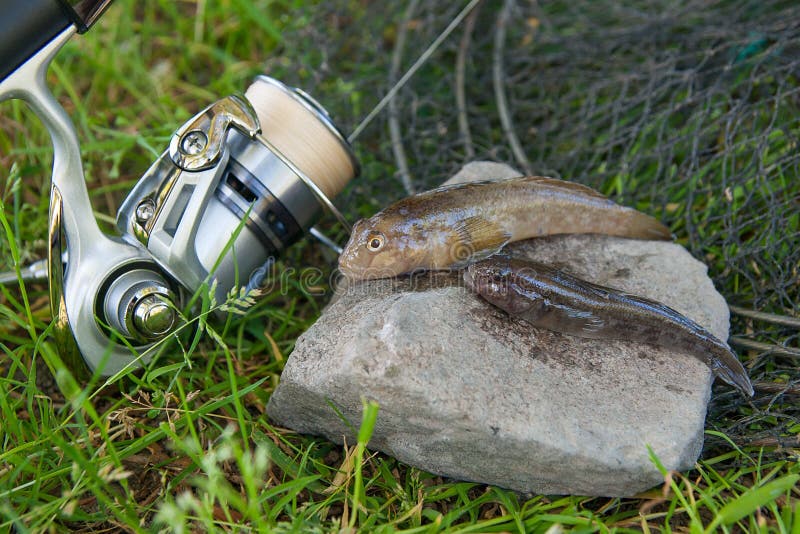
730	369
641	226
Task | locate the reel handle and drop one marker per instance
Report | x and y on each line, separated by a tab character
94	259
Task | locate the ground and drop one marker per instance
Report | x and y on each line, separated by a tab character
185	445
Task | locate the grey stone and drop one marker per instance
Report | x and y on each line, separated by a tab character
482	170
469	393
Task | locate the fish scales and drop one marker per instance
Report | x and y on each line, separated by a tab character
551	299
451	226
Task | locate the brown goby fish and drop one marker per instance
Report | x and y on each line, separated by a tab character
452	226
553	300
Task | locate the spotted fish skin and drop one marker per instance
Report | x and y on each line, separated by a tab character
454	225
554	300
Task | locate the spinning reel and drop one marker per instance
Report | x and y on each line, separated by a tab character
238	183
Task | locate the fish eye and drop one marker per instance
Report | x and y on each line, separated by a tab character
375	242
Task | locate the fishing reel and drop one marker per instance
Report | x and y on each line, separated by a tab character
239	182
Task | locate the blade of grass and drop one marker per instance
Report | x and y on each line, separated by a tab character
368	419
751	500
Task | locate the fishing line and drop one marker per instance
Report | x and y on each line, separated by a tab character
413	69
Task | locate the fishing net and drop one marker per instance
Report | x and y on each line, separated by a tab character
687	110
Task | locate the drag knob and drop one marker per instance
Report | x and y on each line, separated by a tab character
153	317
140	305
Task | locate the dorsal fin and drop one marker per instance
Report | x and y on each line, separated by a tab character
564	185
460	185
546	181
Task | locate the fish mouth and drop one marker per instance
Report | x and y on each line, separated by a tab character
349	271
361	267
350	262
470	278
483	282
358	270
480	281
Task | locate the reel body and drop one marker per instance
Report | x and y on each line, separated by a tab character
224	197
239	182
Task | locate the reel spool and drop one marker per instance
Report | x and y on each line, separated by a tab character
300	128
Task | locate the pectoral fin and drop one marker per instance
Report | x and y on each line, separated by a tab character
569	320
475	239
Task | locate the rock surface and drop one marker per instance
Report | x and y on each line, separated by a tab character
469	393
482	170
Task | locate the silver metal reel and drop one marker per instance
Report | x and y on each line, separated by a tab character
223	199
217	204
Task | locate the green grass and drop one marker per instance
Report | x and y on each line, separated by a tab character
186	445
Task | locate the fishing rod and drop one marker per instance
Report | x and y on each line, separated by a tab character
237	184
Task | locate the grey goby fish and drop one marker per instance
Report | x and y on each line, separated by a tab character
454	225
553	300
